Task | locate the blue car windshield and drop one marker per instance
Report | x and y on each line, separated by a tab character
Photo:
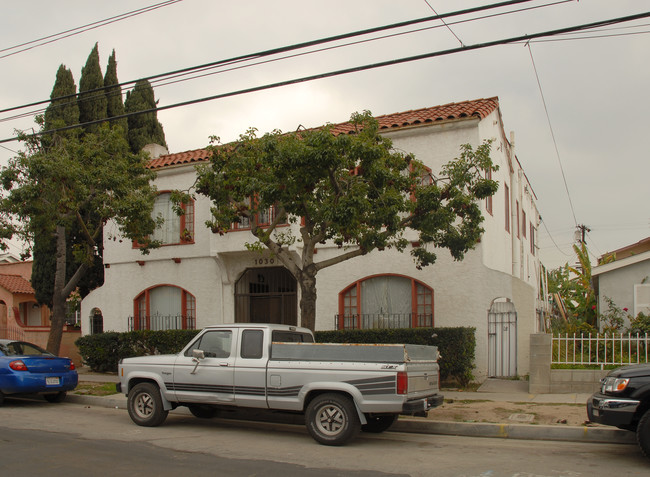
21	348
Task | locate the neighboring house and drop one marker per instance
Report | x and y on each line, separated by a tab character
199	277
626	280
21	317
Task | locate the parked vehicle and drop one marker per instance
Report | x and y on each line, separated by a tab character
25	368
624	401
340	388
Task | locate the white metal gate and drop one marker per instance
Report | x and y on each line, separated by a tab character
502	340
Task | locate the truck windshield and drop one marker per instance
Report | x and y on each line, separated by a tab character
291	337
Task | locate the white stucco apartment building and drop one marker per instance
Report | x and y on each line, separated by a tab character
200	278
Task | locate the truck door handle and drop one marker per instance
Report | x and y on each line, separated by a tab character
224	364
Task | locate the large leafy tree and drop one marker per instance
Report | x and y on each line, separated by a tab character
143	128
578	297
73	183
350	189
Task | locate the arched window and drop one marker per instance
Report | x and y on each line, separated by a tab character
386	301
164	307
176	229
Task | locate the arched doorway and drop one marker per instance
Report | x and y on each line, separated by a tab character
266	295
96	321
502	339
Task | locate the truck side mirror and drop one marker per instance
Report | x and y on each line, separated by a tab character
197	356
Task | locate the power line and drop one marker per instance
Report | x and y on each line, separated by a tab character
553	240
81	29
284	49
355	69
165	78
550	126
445	24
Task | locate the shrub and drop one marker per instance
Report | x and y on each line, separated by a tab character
457	346
103	351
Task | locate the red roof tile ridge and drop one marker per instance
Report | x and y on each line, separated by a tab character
450	111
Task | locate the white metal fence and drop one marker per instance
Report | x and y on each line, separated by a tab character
600	349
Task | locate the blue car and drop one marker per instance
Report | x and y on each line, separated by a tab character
28	369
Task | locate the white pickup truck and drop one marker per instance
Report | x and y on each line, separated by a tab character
340	388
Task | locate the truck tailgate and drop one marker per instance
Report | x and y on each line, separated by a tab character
422	378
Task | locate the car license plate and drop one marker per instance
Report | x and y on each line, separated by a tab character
52	381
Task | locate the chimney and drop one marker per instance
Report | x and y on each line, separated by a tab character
155	150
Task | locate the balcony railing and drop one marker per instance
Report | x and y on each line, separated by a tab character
383	320
162	322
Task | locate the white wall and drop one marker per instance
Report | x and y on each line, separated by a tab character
463	291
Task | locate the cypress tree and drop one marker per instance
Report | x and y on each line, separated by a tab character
114	104
59	113
92	100
144	128
65	111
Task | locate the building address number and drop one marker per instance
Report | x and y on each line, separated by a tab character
264	261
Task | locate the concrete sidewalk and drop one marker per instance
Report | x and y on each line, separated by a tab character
508	392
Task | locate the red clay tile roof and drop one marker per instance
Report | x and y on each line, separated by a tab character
15	284
187	157
478	108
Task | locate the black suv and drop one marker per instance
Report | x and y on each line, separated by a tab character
624	402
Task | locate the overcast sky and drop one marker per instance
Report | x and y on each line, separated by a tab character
596	89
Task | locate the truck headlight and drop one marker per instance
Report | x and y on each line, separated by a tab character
614	385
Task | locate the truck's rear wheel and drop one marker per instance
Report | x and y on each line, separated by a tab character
332	419
378	423
145	405
643	434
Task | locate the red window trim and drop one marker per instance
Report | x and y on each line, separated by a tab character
147	311
414	296
236	227
185	238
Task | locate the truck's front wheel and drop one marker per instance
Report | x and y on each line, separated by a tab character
643	433
145	405
332	419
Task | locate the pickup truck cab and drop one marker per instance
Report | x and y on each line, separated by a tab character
624	401
340	388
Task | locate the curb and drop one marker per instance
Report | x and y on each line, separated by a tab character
596	435
586	434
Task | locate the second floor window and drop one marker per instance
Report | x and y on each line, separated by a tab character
264	218
175	229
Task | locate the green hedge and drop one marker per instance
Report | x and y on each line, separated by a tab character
103	351
457	346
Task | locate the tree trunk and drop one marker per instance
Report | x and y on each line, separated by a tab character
307	300
58	296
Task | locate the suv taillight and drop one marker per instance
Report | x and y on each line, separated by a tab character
402	382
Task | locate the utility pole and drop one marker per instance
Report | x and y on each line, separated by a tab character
581	232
